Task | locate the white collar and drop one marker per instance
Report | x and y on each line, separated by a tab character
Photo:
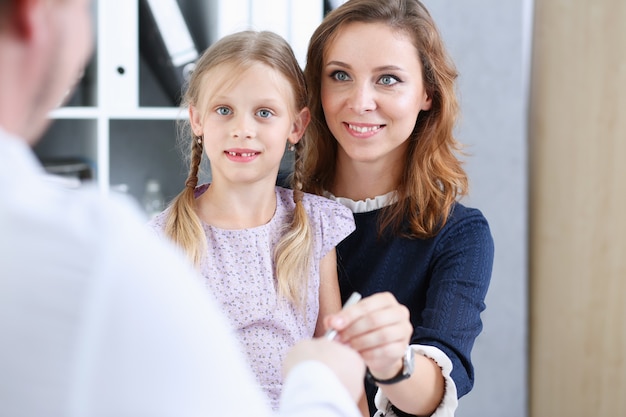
369	204
16	151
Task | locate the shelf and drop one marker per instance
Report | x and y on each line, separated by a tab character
141	151
120	119
78	113
148	113
151	113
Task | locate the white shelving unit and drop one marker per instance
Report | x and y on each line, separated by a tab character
126	140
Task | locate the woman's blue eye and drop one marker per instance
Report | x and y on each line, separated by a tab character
265	114
388	80
340	76
224	111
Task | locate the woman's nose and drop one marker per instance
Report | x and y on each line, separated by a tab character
362	98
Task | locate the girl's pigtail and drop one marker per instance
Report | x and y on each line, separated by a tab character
293	252
183	225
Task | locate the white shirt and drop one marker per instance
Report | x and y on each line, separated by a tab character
100	318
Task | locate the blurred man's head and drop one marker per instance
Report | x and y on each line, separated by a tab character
44	47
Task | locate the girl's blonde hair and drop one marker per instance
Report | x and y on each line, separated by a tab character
240	51
432	178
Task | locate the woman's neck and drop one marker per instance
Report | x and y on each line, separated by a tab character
362	180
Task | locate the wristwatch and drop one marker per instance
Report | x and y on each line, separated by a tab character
408	364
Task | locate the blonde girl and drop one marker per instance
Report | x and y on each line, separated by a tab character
266	252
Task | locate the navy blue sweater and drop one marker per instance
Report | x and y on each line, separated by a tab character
442	280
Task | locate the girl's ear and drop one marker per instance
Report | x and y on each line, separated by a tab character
195	119
299	125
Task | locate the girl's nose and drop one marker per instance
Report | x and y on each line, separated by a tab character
243	128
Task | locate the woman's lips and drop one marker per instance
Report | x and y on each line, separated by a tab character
363	130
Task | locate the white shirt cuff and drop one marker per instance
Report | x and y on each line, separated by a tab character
448	404
312	389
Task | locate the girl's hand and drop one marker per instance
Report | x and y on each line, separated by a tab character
377	327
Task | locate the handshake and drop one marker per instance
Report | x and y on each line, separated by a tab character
345	362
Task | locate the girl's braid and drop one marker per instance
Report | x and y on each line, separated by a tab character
194	166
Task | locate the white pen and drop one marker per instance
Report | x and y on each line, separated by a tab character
354	298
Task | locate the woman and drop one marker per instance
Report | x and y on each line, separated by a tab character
382	97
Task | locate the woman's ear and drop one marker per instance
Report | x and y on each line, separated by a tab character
302	120
195	119
427	101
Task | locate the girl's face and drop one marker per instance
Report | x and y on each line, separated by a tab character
372	92
246	122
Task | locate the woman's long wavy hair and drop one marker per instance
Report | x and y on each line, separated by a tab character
433	177
239	52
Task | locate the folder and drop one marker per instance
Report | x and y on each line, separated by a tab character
166	44
117	58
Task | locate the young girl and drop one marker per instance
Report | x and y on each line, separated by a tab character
383	106
266	252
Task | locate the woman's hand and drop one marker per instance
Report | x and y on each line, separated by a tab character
377	327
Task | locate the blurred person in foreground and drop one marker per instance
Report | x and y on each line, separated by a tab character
97	316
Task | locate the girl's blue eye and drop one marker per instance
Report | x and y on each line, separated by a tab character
388	80
223	111
264	113
340	76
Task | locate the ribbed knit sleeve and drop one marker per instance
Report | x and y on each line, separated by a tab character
460	272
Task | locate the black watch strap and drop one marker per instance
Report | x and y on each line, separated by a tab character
400	376
405	372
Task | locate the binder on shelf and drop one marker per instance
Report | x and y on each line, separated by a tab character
117	57
166	44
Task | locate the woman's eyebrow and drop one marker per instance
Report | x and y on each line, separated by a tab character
381	68
337	64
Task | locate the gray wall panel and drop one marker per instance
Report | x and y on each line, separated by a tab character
488	41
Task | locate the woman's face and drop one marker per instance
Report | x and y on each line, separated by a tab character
372	91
